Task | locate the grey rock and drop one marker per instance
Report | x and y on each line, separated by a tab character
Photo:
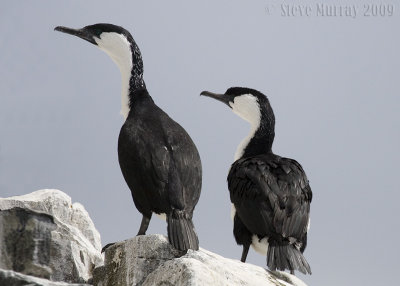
12	278
150	260
25	241
43	234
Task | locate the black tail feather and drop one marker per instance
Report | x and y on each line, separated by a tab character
282	257
181	232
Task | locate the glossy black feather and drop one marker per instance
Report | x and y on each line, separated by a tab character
158	159
162	167
272	198
271	195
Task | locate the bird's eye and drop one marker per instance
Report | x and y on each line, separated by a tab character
97	32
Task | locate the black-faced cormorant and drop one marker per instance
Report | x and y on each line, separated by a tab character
158	159
270	194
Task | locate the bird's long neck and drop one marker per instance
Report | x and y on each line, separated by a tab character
261	136
132	79
126	54
136	81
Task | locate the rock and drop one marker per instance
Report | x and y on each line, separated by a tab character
12	278
150	260
46	240
43	234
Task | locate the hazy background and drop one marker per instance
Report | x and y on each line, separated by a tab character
333	83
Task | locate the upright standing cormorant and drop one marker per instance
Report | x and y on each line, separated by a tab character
270	194
158	159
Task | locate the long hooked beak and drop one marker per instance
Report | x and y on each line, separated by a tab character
81	33
225	98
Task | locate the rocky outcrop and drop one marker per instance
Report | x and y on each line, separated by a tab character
48	241
12	278
43	234
150	260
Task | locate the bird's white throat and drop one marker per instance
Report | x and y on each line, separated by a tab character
248	108
119	49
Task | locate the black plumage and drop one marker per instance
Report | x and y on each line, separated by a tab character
158	159
271	194
272	198
162	168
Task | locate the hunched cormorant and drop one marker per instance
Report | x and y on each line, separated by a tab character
158	159
270	194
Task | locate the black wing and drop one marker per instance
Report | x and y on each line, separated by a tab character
272	196
185	172
160	162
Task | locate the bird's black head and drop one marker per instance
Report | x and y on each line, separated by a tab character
93	33
254	107
118	43
248	103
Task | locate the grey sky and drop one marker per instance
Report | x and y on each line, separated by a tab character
333	83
